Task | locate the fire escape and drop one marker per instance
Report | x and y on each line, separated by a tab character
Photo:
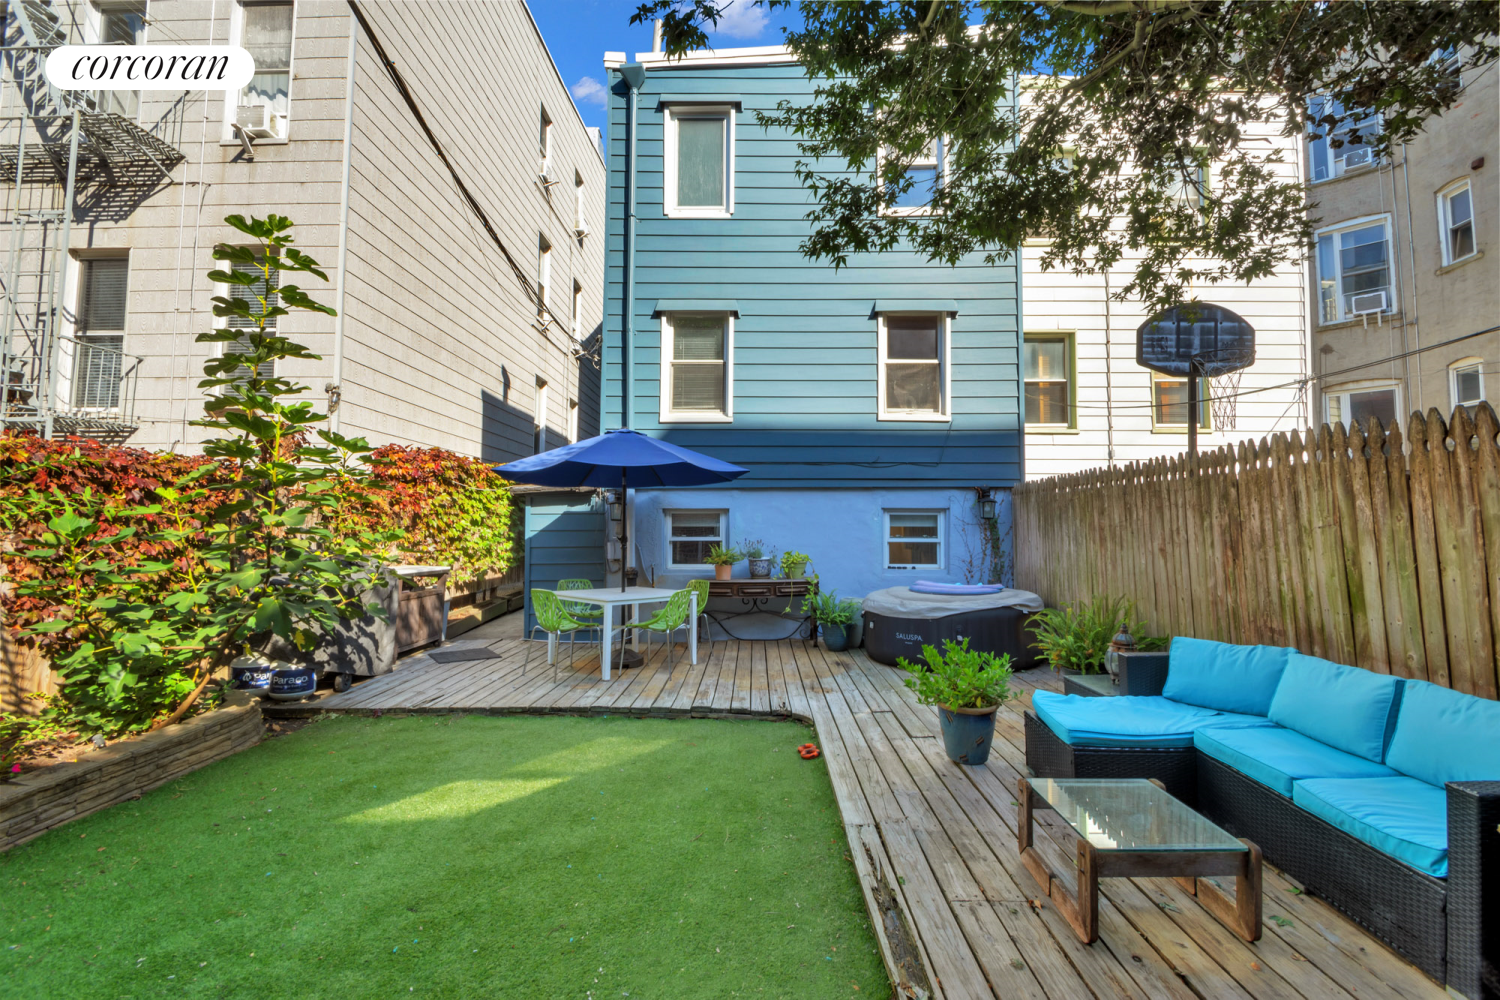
66	162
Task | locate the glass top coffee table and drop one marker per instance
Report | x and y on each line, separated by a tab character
1131	827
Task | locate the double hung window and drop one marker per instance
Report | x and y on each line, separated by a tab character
266	33
698	180
1048	376
1466	382
100	337
690	535
122	24
1456	221
926	174
1357	403
1336	151
1354	271
914	539
1169	402
262	298
913	366
697	367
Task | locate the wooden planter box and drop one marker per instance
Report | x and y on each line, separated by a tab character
422	615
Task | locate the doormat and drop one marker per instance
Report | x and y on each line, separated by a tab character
461	655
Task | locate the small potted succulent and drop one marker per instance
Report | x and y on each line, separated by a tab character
722	560
755	551
835	616
967	686
794	564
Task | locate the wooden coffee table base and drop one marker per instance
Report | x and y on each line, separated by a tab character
1188	869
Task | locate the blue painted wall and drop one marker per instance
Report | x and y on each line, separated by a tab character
805	341
564	540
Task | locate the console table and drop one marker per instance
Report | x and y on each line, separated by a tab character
758	593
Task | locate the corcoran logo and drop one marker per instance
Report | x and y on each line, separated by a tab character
149	67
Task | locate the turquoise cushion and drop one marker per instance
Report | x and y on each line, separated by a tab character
1443	735
1400	816
1223	677
1345	707
1127	721
1276	757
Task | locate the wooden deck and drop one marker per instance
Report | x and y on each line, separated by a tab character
956	914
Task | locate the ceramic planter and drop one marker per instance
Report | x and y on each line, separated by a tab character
760	568
796	571
835	637
292	683
967	733
721	572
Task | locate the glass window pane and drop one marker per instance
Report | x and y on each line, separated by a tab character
1327	279
919	195
912	553
690	553
1170	399
1046	359
1378	403
1461	241
912	387
1335	409
692	524
914	525
1458	207
1046	402
104	288
698	387
268	35
912	337
252	295
1466	382
700	162
697	338
96	370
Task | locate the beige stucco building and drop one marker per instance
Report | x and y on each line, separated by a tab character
435	165
1406	267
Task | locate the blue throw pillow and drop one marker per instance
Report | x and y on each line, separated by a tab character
1444	735
1222	676
1344	707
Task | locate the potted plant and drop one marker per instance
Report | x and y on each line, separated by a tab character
794	564
755	550
835	617
1075	638
967	686
722	560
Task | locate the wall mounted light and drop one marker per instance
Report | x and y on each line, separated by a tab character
988	505
615	500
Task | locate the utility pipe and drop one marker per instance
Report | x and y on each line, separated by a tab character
336	386
634	74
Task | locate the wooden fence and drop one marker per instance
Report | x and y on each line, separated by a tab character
1362	547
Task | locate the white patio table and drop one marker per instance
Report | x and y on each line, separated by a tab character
610	598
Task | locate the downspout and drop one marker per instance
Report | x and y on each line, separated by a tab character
1109	405
1411	253
634	74
335	388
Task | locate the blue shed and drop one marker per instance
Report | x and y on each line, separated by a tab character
564	540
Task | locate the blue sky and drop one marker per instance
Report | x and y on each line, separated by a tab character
579	32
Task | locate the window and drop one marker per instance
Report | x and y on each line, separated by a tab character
121	24
1466	382
577	310
1048	376
1456	219
914	539
699	175
100	337
262	289
580	224
913	366
1450	62
1354	271
1334	152
539	419
266	33
697	367
545	140
1358	402
691	533
543	277
573	421
1169	402
926	173
1189	182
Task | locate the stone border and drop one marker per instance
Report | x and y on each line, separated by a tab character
37	802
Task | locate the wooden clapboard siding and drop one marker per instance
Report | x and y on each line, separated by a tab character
1365	546
564	541
805	339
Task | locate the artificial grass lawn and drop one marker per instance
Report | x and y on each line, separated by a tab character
457	856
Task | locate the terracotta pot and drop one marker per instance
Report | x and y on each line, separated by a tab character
721	572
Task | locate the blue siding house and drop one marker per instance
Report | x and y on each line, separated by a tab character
870	404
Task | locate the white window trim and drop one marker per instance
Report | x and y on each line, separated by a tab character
93	32
1335	172
703	568
1069	339
67	323
1344	389
939	165
577	309
945	377
942	538
1453	380
666	414
1205	424
1445	223
231	97
572	421
221	288
539	418
670	117
1393	303
544	276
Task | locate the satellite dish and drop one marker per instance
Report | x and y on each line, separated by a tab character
1196	338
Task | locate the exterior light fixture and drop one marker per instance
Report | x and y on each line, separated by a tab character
1123	642
615	500
988	505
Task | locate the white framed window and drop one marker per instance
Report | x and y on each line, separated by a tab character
251	294
912	369
1456	221
697	367
1190	184
698	173
580	222
1335	152
691	533
1047	363
1451	63
539	418
1356	402
1466	382
577	310
544	140
265	29
1169	403
572	421
543	277
120	22
927	173
914	539
1354	270
99	334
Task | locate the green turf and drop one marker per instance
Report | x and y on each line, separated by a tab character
456	856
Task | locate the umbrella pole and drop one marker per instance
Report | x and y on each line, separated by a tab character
624	528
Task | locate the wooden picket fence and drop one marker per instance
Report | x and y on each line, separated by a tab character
1363	547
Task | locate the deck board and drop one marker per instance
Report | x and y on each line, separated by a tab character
955	913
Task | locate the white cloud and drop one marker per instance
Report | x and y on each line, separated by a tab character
741	20
589	91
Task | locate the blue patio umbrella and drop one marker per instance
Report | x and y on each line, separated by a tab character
624	456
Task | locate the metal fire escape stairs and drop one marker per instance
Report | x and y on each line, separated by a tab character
52	143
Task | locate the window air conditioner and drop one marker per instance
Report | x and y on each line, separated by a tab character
580	229
1367	303
259	121
544	173
1357	156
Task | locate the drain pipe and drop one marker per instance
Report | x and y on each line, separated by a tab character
634	74
335	387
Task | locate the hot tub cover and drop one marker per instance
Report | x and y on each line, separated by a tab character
903	602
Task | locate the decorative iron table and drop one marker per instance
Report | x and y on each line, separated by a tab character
1129	827
756	593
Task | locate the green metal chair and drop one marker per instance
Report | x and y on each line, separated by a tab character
554	619
577	608
668	619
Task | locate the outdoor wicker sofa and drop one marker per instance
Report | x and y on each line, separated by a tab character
1378	794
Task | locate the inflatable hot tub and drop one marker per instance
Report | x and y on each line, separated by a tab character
899	622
